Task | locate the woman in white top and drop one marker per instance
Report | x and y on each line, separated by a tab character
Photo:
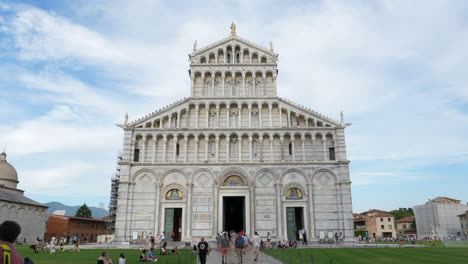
122	259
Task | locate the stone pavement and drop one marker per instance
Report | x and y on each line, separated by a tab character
248	258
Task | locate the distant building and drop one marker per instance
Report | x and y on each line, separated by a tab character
406	226
438	217
464	222
378	224
69	226
14	206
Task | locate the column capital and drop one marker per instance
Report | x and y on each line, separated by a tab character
158	184
196	140
189	185
311	185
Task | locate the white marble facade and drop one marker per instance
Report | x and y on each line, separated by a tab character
281	154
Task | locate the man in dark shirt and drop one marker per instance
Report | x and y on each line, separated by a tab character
239	244
202	249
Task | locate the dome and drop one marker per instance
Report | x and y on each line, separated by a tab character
8	174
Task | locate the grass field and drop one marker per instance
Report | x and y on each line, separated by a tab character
372	255
90	256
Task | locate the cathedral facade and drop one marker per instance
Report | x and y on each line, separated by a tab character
234	156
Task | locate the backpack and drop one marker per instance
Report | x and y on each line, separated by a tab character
6	254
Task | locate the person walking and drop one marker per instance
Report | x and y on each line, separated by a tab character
9	232
224	242
239	244
256	245
304	234
202	250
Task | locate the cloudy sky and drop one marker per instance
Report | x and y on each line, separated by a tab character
398	69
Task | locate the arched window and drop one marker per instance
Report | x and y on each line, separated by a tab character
229	58
177	149
290	148
238	58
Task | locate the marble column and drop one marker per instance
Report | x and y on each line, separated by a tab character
178	119
228	116
293	148
215	212
143	152
196	115
228	147
270	110
240	116
175	149
207	141
217	117
155	141
169	121
217	148
157	216
271	149
196	149
311	207
282	148
324	141
281	116
303	148
164	149
240	148
250	148
188	217
313	148
261	149
186	149
207	116
252	208
250	115
260	116
279	208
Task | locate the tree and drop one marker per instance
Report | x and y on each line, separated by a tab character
84	211
402	213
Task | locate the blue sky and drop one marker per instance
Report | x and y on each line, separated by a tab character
69	71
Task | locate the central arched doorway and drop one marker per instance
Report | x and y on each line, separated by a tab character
234	204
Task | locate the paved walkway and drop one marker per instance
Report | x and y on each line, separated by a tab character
215	258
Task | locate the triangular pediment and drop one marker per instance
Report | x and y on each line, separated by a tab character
233	40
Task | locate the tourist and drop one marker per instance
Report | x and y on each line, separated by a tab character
152	240
122	259
239	244
336	238
256	245
143	256
104	258
173	237
246	242
194	250
9	232
304	235
52	246
76	248
202	250
163	237
150	256
175	251
162	250
299	232
268	239
27	260
224	243
37	245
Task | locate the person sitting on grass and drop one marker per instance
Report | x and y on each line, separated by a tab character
150	256
104	259
175	251
27	260
143	256
162	250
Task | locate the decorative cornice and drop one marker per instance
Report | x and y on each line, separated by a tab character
244	163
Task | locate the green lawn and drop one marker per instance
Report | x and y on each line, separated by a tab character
372	255
90	256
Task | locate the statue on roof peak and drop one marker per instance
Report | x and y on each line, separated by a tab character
233	29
